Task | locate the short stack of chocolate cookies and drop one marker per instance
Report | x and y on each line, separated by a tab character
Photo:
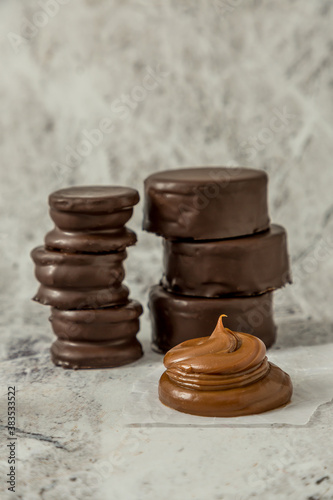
221	255
81	271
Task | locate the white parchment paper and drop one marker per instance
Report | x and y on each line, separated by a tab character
311	371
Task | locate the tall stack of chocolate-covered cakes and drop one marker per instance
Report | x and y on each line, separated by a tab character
221	255
80	269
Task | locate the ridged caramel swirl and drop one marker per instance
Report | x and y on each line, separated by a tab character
225	360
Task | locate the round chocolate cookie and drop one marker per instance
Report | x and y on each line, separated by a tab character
93	199
237	266
90	242
206	203
74	221
107	354
94	325
74	270
82	298
84	208
176	318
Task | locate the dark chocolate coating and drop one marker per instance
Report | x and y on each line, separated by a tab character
73	270
81	271
90	242
92	208
82	298
74	221
176	318
94	325
107	354
238	266
94	199
206	203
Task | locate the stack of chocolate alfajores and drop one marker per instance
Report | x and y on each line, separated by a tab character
221	255
80	269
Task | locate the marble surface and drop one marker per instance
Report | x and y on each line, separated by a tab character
73	441
100	92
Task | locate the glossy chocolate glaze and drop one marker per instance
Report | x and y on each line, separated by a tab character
176	318
75	270
81	272
206	203
93	199
74	221
238	266
224	375
115	240
81	298
111	323
106	354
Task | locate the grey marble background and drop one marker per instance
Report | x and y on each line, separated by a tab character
225	73
158	85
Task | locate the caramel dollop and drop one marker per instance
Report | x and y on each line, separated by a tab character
224	375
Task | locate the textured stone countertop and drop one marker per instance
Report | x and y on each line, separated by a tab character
73	442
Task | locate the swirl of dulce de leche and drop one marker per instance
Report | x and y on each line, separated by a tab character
226	359
226	374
